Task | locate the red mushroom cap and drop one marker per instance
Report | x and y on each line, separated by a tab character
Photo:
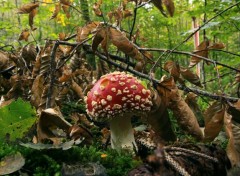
117	93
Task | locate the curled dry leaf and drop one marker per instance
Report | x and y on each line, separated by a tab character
233	133
173	68
56	10
201	50
11	163
190	76
65	2
123	44
27	8
169	4
237	77
32	14
101	37
66	10
158	4
85	31
184	115
50	120
97	9
77	89
37	90
77	132
191	100
219	45
4	60
127	13
24	35
214	118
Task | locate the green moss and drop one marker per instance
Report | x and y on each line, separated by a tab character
49	162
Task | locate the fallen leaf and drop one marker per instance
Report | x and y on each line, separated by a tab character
49	120
219	45
11	163
158	4
65	2
97	9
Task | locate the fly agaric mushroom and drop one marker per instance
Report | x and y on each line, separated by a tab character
116	97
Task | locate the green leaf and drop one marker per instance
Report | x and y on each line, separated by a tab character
16	118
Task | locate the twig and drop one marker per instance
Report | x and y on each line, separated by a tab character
52	74
134	21
198	29
190	54
155	81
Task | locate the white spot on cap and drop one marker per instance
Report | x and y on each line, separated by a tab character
132	104
119	92
103	102
136	107
96	93
117	106
109	98
125	90
122	83
113	79
137	97
124	98
113	89
144	91
94	103
134	87
122	78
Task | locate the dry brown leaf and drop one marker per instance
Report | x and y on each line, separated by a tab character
97	9
50	120
56	10
190	76
24	35
201	50
66	75
86	30
77	132
77	89
62	36
214	118
169	4
65	49
127	13
4	60
37	90
32	14
29	53
123	44
173	68
237	77
65	2
233	134
184	115
27	8
159	119
219	45
110	16
11	163
101	37
158	4
66	10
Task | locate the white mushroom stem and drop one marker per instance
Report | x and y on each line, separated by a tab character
122	133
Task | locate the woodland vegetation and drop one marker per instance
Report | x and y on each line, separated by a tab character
186	53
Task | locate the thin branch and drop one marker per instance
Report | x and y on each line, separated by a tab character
190	54
52	74
155	81
198	29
